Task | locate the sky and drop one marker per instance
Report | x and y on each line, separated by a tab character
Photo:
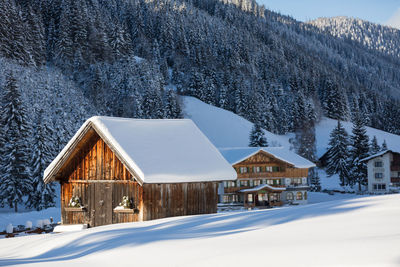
386	12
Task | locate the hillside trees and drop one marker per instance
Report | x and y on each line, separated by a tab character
14	179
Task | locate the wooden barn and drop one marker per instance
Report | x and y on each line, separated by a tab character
117	170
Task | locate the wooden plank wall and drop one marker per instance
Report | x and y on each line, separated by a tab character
91	193
94	160
168	200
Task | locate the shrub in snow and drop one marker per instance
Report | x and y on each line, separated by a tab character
74	202
10	228
39	223
46	222
28	225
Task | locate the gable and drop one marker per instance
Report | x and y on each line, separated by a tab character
262	157
93	159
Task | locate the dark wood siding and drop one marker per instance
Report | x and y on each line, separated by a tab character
167	200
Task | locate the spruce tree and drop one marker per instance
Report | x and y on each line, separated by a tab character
374	146
384	146
257	137
359	150
338	154
43	195
15	182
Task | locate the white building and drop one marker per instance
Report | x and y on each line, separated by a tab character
383	172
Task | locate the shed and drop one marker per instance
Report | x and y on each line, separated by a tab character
162	168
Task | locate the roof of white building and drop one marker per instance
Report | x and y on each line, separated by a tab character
377	155
157	151
237	154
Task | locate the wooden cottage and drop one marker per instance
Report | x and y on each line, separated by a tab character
118	170
267	176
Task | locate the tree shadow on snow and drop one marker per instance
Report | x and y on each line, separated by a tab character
201	226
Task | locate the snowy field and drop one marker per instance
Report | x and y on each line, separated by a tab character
361	231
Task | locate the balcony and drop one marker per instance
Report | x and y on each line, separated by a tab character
262	174
395	168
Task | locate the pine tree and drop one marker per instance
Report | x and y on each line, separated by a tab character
15	181
384	146
338	154
257	137
314	180
359	150
43	195
374	146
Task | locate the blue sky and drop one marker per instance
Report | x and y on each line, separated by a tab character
385	12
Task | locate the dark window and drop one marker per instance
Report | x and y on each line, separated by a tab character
378	164
378	175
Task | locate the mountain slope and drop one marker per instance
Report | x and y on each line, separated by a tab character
226	129
370	35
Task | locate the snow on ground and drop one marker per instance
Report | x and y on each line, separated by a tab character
224	128
362	231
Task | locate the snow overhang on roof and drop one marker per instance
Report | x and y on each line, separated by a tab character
235	155
154	151
376	155
262	187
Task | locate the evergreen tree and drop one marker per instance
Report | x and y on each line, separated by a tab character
338	154
15	181
359	150
43	195
384	146
374	146
257	137
314	180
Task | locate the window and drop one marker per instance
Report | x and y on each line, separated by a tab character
277	181
225	199
243	169
257	182
398	174
296	181
232	184
378	164
275	169
268	169
299	196
257	169
379	186
244	183
251	182
250	198
270	182
378	175
289	196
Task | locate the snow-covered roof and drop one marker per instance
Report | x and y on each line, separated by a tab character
261	187
377	155
157	151
235	155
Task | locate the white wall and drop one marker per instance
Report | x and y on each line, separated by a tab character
385	169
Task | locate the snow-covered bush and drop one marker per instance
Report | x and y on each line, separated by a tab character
39	223
74	202
10	228
28	225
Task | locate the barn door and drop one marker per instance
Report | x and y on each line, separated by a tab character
103	204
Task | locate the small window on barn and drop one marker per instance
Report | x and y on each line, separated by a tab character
275	169
289	196
257	169
268	169
243	169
